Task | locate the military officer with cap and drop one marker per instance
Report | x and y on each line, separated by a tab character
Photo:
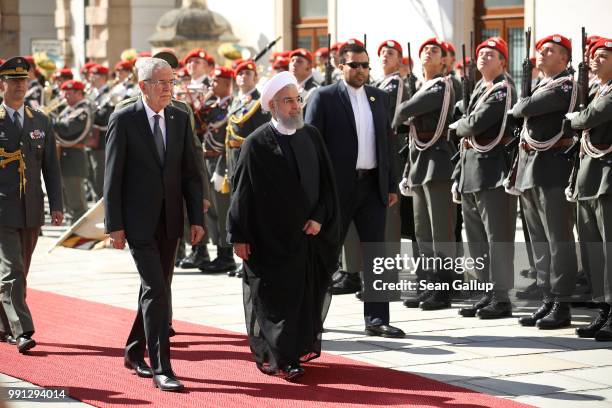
541	177
245	116
300	65
593	190
72	127
27	150
489	213
428	171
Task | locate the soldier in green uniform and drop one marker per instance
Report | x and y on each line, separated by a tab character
593	190
245	116
541	177
428	171
212	126
489	213
27	150
72	127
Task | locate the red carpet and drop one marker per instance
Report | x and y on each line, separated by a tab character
80	346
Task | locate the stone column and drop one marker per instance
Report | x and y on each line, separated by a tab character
63	25
9	28
109	24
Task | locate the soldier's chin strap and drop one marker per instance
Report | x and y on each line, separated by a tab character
7	158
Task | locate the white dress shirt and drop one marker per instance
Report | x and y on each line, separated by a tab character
151	117
11	113
366	136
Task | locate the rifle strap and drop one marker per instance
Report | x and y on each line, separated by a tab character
446	102
489	146
587	146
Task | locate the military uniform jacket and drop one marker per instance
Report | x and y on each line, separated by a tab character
306	89
545	111
71	128
595	174
213	121
425	109
477	171
103	110
37	145
34	95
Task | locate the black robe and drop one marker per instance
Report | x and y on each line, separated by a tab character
288	272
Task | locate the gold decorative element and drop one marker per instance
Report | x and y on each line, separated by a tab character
7	158
372	98
2	113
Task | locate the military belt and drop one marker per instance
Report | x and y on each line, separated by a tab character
211	153
7	158
234	144
468	145
565	142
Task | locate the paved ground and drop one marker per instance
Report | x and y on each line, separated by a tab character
497	357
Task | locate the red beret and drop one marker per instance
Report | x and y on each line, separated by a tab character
406	61
182	72
223	72
124	65
449	47
99	69
336	46
301	52
64	73
30	60
281	63
556	39
433	41
195	53
85	68
73	84
495	43
602	43
245	65
592	39
352	41
459	65
390	44
142	54
322	52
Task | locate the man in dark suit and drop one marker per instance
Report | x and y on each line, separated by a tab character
150	167
354	121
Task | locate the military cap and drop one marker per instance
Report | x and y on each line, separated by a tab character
602	43
99	69
169	56
30	60
195	53
182	73
64	73
87	66
390	44
434	41
281	63
16	67
407	61
72	85
125	65
449	47
555	39
336	46
245	65
496	44
352	41
591	40
223	72
301	52
322	52
144	54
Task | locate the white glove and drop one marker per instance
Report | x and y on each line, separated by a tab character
404	188
454	125
571	115
510	189
217	181
569	195
455	193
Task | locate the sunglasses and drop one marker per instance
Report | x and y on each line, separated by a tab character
355	65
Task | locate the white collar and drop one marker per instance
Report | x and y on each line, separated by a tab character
198	80
150	112
281	129
244	95
392	74
11	111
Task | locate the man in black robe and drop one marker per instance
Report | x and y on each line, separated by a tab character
284	223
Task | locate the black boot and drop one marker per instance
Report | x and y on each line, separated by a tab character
471	310
499	307
223	263
531	292
346	283
560	316
544	310
588	331
605	333
422	278
197	258
439	299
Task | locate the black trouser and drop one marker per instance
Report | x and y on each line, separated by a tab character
154	259
366	210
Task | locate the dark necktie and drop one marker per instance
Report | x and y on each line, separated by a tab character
17	121
159	139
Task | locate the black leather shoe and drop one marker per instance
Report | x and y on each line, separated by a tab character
438	300
560	316
223	263
139	366
167	383
471	310
25	343
385	330
292	373
588	331
7	338
345	284
531	292
530	273
542	311
499	307
359	294
239	272
198	257
421	297
605	333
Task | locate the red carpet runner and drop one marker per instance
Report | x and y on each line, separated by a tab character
80	346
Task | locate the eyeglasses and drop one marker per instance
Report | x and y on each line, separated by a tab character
290	101
160	82
355	65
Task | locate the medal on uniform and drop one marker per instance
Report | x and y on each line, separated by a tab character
37	134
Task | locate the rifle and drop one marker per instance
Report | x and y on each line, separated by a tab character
573	151
468	85
365	41
411	77
328	65
266	49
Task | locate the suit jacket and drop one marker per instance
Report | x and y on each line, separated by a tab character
136	184
37	144
330	111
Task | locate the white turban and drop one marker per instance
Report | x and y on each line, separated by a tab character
275	84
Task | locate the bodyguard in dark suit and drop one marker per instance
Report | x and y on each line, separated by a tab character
354	121
150	168
27	149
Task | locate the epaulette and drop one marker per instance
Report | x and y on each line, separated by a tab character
28	112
